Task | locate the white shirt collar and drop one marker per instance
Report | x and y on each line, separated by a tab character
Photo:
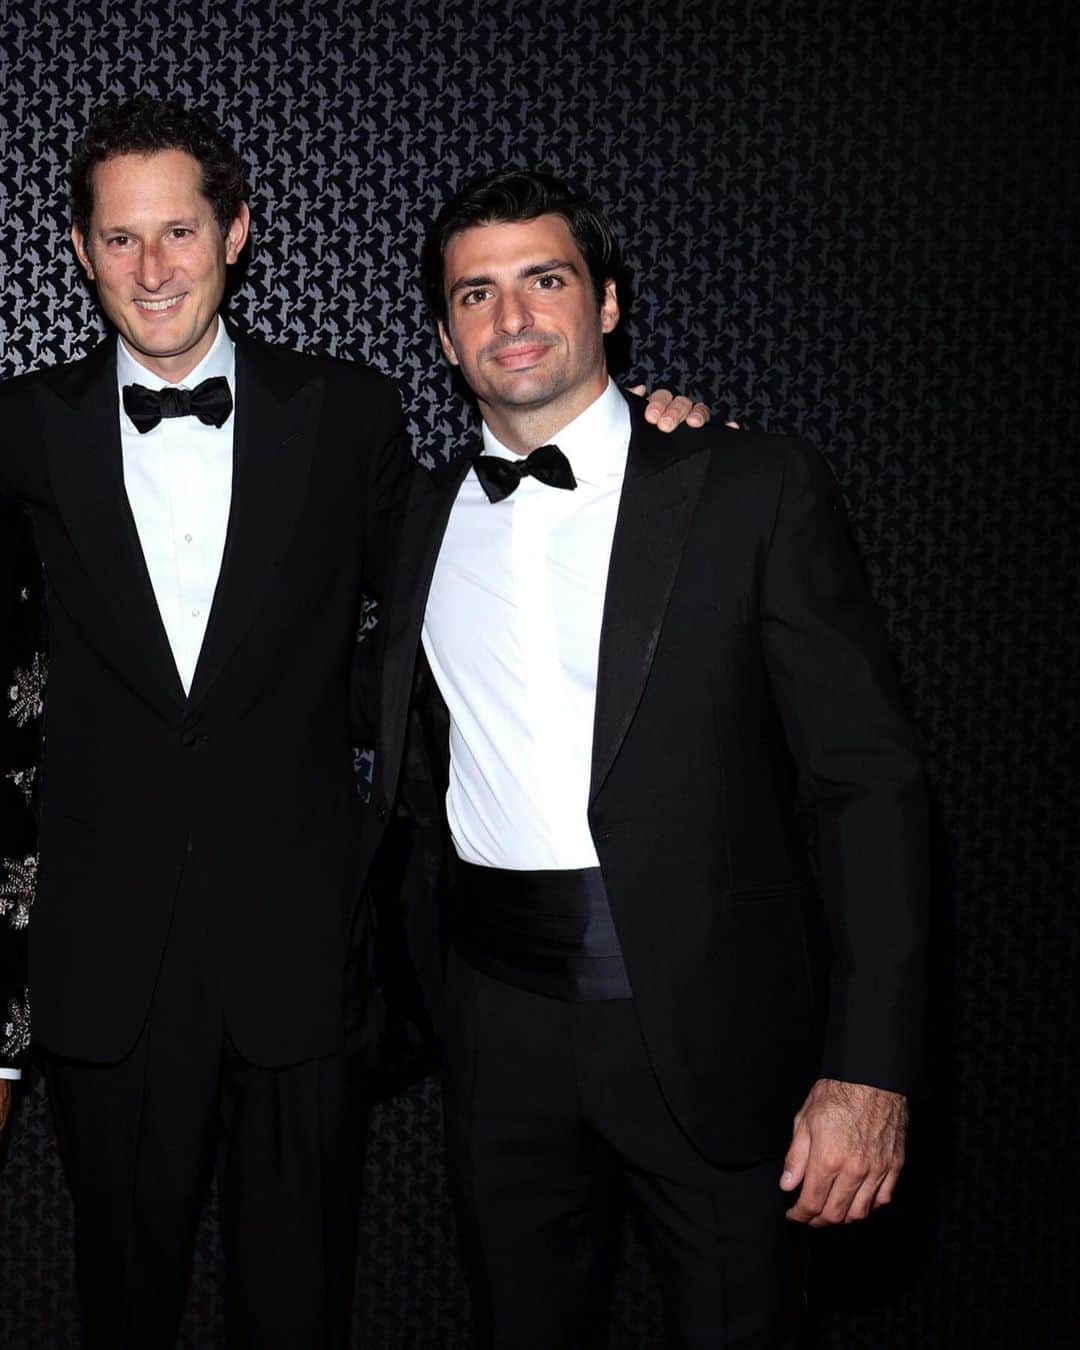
594	442
219	360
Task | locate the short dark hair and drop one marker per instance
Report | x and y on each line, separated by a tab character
144	125
511	195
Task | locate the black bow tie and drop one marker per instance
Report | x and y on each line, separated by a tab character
211	402
499	477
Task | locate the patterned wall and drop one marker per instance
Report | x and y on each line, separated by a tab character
847	220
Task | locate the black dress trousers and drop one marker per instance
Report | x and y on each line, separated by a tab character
140	1139
553	1115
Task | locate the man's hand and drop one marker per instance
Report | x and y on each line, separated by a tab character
847	1149
5	1102
667	410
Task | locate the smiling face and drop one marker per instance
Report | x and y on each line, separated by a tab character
524	326
158	258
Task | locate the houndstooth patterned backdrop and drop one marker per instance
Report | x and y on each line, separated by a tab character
845	220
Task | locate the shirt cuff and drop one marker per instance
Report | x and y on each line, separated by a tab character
10	1073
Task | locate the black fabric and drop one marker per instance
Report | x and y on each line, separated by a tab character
554	1118
849	221
500	477
140	1138
210	401
550	932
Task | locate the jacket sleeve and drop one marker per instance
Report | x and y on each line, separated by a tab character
859	775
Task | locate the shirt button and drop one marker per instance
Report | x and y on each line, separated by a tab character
195	613
187	538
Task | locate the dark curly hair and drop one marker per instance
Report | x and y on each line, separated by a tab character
509	196
143	125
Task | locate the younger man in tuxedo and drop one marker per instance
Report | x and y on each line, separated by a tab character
628	657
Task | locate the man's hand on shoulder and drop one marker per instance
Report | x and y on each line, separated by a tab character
847	1149
668	411
5	1102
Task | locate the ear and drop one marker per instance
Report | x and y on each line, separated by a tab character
82	252
236	236
609	307
447	345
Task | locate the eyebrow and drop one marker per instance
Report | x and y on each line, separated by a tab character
532	270
186	221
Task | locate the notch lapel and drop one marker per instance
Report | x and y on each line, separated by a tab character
664	475
81	433
272	446
431	498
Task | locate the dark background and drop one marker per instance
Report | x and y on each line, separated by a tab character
845	220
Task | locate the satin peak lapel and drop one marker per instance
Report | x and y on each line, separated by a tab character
81	433
272	446
664	475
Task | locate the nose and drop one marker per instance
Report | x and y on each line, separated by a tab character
154	269
513	315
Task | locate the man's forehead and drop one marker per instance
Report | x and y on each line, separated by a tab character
133	180
509	242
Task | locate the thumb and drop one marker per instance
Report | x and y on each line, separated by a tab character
796	1157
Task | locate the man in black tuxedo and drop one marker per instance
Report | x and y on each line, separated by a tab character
616	663
208	510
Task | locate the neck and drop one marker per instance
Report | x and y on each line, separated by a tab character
173	369
522	430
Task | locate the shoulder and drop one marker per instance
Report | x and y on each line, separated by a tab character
772	463
93	365
282	364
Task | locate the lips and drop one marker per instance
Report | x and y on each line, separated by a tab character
514	358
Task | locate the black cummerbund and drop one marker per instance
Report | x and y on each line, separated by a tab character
548	932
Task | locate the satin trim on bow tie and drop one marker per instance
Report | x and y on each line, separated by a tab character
211	402
499	477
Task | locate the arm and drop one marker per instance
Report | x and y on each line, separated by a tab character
860	775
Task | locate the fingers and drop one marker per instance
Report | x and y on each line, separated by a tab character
667	410
658	410
814	1195
796	1158
677	412
834	1195
864	1200
885	1191
845	1188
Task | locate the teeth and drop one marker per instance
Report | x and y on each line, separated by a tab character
160	304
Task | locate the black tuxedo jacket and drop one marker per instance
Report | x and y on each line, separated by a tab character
743	676
247	785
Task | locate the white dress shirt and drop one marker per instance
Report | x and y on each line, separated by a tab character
512	635
178	478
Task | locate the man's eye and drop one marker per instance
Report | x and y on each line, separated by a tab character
117	240
550	282
475	297
179	232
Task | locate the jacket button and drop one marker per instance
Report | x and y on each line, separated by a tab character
189	738
381	811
